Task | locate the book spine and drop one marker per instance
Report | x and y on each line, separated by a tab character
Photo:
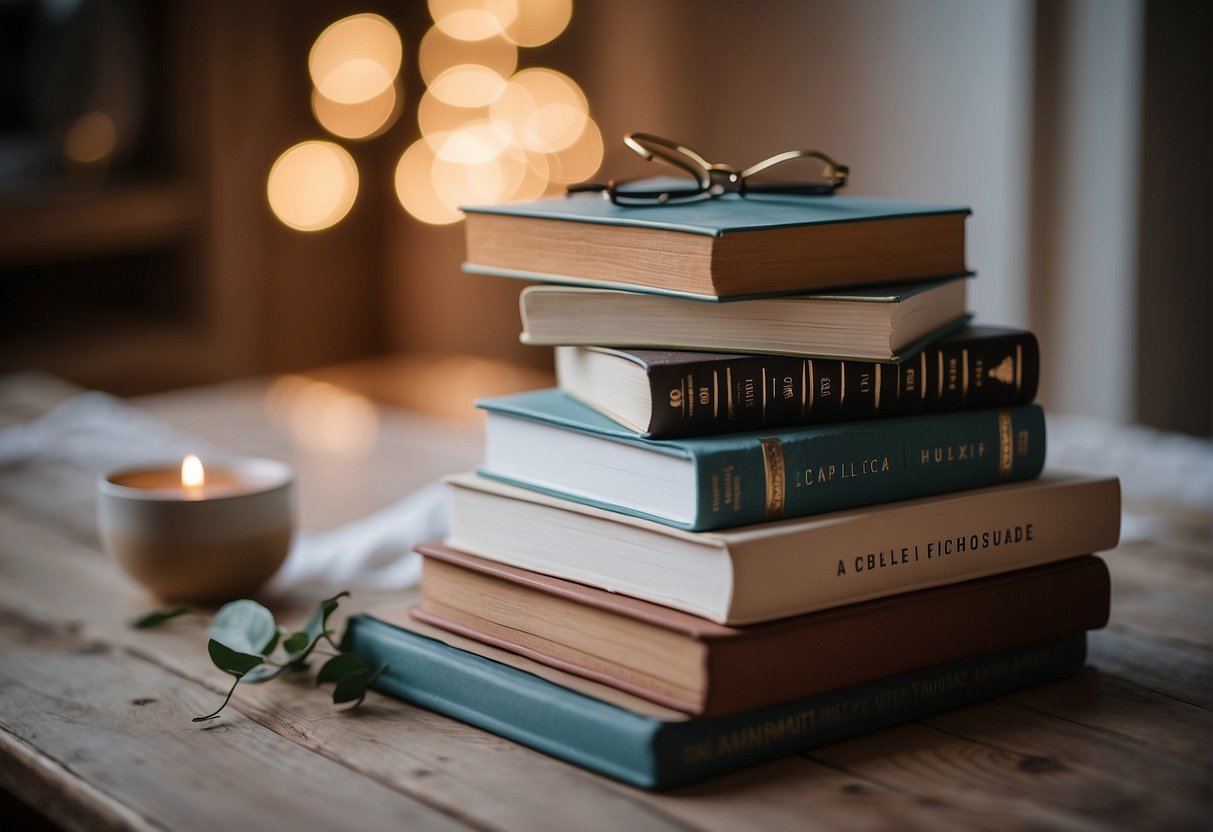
506	701
653	754
752	392
751	478
695	749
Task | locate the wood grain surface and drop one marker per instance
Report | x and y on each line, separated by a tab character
95	728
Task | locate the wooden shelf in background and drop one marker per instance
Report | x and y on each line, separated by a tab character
68	224
126	360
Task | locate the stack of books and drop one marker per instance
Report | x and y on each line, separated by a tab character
811	507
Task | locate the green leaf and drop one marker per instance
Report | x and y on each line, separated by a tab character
317	622
339	667
269	648
154	619
350	688
245	627
300	645
264	673
296	644
232	661
355	686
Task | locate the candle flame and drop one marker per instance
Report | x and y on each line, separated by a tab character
192	475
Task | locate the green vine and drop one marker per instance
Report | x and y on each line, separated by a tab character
246	643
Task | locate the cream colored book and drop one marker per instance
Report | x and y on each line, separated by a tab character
873	324
775	570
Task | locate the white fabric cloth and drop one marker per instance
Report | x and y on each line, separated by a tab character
95	433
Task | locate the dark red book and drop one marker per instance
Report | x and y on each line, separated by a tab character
708	669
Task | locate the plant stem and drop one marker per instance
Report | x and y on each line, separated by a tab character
226	699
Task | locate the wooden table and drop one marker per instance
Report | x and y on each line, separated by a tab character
95	724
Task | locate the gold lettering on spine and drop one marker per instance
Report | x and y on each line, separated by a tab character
922	378
764	395
941	375
812	384
964	375
1005	445
772	464
728	386
715	395
842	375
879	369
1018	367
804	371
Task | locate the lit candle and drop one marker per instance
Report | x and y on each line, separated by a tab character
193	476
194	533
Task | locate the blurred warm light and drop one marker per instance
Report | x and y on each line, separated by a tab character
477	183
490	134
547	109
355	59
579	161
535	178
323	417
468	85
439	52
475	143
539	21
553	127
462	379
473	20
312	185
436	118
510	175
363	120
91	138
415	186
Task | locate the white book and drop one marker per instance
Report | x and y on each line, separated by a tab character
774	570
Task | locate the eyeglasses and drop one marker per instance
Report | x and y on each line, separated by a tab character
708	180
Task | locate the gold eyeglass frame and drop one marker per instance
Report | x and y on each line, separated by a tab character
712	179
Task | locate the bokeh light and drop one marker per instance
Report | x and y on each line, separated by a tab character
415	186
474	183
473	20
322	417
546	108
579	161
490	133
91	138
355	59
363	120
475	143
312	185
468	85
436	118
539	21
439	52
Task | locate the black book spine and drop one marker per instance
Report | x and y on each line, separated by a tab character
753	392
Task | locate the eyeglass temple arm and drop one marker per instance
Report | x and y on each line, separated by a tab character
837	172
650	147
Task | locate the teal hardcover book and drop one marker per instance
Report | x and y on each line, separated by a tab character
718	217
547	441
642	744
727	247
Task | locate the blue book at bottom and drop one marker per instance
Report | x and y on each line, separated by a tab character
647	746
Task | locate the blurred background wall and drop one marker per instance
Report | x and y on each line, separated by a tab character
142	254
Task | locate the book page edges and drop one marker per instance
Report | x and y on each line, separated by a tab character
399	616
